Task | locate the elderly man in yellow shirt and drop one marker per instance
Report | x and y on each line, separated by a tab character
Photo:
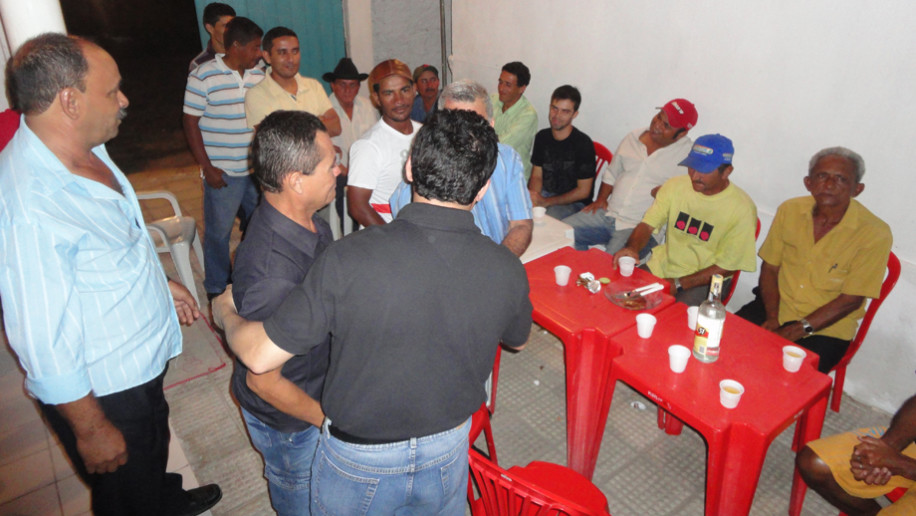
824	255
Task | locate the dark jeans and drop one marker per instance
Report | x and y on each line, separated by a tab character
830	349
140	487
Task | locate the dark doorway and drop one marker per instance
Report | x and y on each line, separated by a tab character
153	42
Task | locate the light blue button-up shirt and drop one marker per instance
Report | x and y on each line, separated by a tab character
86	303
506	200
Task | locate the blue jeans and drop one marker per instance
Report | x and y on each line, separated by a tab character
221	205
599	229
421	476
287	464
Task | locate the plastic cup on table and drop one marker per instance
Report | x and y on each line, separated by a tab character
626	264
692	312
792	358
538	213
730	393
645	323
677	357
562	272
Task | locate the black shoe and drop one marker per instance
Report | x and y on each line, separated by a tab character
201	499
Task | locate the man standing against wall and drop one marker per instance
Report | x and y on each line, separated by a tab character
88	309
377	158
426	78
515	119
216	17
284	87
405	376
294	164
219	138
563	159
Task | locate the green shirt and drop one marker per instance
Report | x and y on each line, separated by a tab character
516	127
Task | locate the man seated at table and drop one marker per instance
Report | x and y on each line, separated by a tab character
854	470
710	223
404	376
825	253
563	159
504	213
646	158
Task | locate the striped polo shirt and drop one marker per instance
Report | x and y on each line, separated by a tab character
216	94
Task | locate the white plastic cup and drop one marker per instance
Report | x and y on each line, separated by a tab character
562	273
538	213
626	264
645	323
692	312
792	358
677	357
730	393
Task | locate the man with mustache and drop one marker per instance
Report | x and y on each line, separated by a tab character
377	159
88	308
426	77
710	223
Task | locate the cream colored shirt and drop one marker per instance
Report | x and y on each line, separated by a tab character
268	96
364	117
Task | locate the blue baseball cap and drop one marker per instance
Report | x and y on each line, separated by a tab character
709	152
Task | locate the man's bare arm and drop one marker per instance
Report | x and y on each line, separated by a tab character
285	396
581	192
769	293
212	175
701	277
638	239
247	339
519	236
838	308
872	455
331	122
98	442
359	208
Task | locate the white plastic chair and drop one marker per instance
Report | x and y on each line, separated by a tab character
176	235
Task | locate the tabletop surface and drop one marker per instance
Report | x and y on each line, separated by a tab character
548	235
749	354
573	308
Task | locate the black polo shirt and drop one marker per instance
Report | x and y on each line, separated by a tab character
270	262
415	309
563	163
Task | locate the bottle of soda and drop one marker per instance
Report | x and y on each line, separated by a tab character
710	320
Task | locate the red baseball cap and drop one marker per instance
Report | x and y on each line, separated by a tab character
681	113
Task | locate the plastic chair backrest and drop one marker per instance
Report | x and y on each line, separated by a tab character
893	274
503	494
603	156
737	274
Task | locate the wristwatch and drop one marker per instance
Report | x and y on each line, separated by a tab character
809	330
677	285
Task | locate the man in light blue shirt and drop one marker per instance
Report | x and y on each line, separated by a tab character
87	307
504	212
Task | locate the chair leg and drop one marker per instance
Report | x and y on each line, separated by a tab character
199	251
837	395
181	255
670	424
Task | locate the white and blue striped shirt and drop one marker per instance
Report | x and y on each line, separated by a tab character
216	94
86	303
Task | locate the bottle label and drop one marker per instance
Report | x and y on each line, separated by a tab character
707	337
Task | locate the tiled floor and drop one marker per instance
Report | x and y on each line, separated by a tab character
642	470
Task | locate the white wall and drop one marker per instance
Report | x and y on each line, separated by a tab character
783	79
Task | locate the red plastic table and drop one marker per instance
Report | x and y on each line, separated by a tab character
583	322
737	439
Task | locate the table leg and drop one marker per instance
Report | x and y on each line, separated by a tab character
733	469
808	428
588	398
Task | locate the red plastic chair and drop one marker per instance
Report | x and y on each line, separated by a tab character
540	488
893	273
737	274
480	420
603	156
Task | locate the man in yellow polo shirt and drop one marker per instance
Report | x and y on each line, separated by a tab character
853	471
824	255
710	223
284	88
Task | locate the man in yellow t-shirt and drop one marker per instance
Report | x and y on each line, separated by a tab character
710	223
825	253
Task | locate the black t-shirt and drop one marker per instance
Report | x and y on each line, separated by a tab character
416	309
271	261
563	162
